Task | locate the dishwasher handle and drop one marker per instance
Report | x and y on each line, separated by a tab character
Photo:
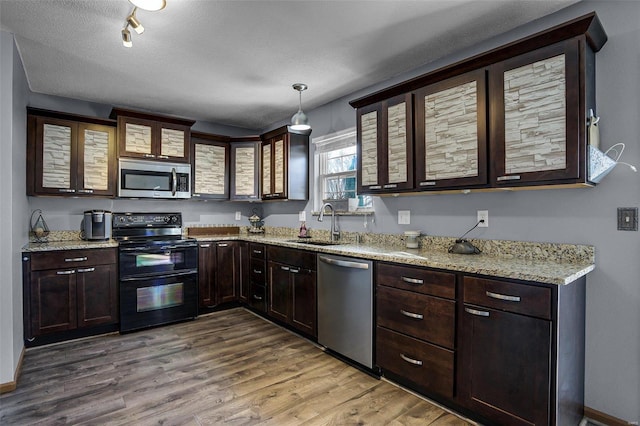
344	263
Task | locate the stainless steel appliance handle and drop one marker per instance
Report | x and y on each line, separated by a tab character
174	181
412	280
76	259
503	297
344	263
86	269
477	312
411	360
152	277
411	314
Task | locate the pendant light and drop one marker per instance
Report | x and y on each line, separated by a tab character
150	5
300	121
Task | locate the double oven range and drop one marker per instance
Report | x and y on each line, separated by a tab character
158	270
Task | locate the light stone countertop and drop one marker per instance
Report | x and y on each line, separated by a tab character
544	271
513	267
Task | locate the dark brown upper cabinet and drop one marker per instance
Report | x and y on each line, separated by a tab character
210	166
538	116
451	133
532	100
385	145
70	155
154	137
245	169
285	165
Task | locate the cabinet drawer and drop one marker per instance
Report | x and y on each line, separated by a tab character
421	316
257	251
429	367
511	297
258	271
420	280
300	258
72	258
258	297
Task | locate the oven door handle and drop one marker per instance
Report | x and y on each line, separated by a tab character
157	249
150	277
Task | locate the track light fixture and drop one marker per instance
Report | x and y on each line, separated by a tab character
300	121
134	22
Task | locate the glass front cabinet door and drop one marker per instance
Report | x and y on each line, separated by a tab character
451	133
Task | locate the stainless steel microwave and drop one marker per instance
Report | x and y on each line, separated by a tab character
153	179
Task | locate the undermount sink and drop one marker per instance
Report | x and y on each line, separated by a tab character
314	242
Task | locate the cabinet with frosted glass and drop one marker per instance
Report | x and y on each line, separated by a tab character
385	144
70	155
210	166
245	169
285	165
152	137
537	115
451	133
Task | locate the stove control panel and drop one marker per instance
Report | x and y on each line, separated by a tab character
147	220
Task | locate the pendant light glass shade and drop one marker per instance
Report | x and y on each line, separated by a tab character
150	5
300	121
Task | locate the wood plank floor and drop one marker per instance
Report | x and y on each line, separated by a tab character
230	367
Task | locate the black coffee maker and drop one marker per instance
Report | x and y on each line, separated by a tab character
96	225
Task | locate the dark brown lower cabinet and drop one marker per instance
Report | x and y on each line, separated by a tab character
69	290
292	288
521	348
218	273
257	296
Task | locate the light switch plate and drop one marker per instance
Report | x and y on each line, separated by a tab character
404	217
238	215
627	218
302	216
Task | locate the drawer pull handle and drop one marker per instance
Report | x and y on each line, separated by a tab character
477	312
257	271
223	245
390	185
411	314
412	280
205	245
255	296
411	360
76	259
293	270
69	272
257	251
513	177
375	187
284	268
503	297
86	269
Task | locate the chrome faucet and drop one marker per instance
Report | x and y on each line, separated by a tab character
335	233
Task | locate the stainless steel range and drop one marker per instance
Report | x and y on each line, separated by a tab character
158	270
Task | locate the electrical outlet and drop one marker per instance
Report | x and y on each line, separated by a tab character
302	216
404	217
238	215
627	218
483	215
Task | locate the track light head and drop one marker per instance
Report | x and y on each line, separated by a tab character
134	22
126	37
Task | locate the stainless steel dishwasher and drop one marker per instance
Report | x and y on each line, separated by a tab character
345	307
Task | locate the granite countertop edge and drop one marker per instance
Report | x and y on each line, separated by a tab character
550	272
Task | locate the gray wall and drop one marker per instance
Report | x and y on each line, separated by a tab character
583	216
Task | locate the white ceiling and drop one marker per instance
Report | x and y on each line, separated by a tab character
233	61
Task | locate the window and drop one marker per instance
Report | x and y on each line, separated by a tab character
335	170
